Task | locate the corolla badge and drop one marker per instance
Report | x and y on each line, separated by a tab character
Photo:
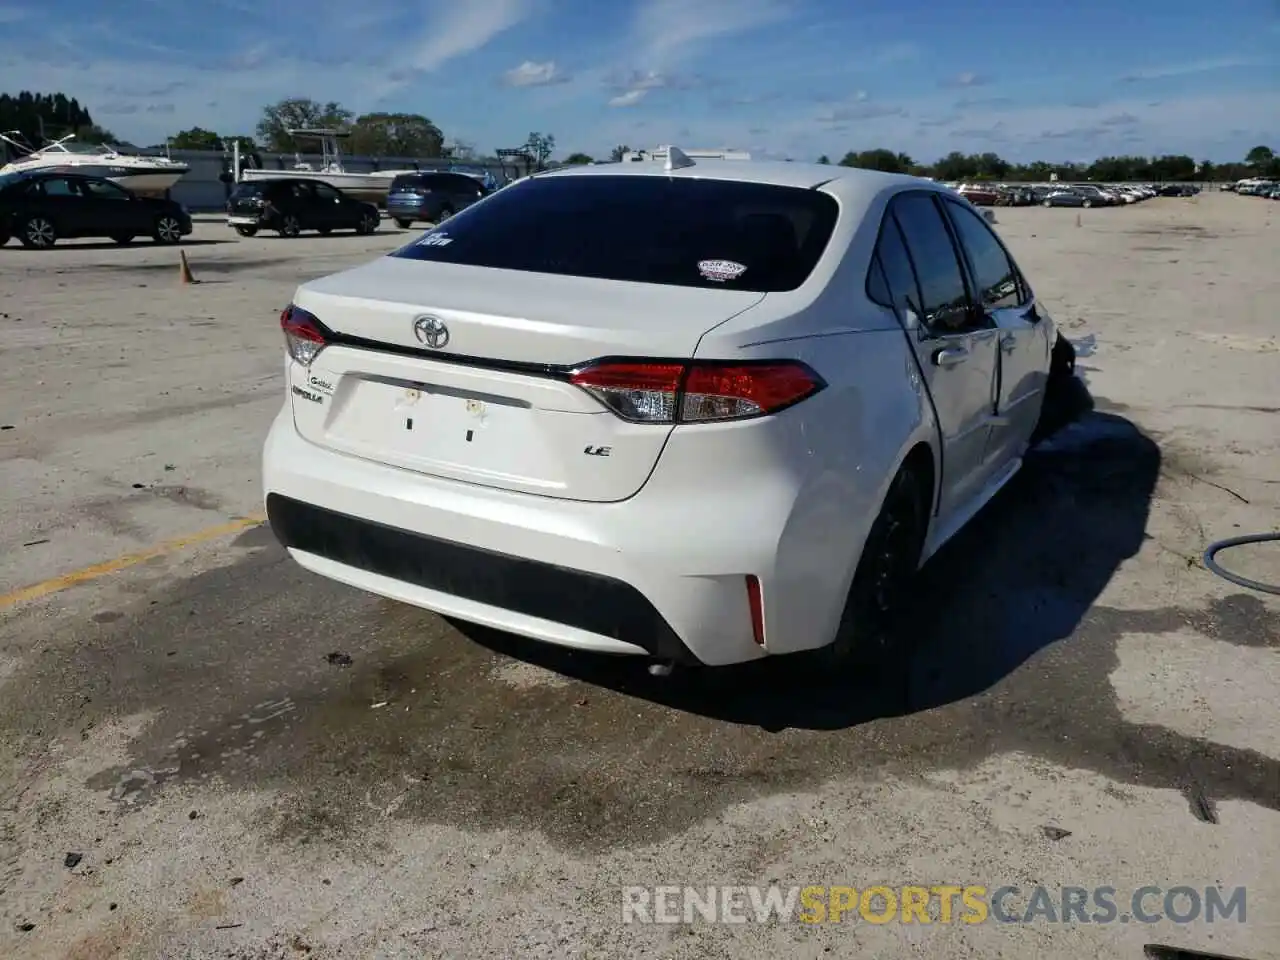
431	332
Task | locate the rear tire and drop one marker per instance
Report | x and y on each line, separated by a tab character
38	233
290	227
445	213
868	635
403	224
1046	204
247	231
122	238
324	231
1062	402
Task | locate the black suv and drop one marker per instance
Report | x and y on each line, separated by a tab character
293	204
431	197
42	208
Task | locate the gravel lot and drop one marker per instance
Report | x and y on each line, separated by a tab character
169	710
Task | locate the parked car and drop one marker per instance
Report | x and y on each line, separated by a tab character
980	195
1064	197
41	208
293	204
701	414
431	197
1097	196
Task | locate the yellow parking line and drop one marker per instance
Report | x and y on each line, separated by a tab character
56	584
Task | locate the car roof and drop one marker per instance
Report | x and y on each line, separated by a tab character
846	183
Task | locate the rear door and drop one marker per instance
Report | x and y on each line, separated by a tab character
1022	371
954	344
332	210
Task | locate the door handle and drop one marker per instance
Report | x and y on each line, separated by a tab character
950	356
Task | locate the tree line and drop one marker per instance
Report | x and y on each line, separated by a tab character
376	134
40	116
1261	161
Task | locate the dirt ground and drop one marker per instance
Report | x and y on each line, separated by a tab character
1087	705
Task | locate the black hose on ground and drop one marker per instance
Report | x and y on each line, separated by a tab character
1211	562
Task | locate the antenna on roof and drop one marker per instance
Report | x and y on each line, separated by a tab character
677	159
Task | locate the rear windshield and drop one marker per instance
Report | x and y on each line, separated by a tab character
407	181
674	231
248	190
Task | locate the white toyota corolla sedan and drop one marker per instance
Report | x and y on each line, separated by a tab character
704	412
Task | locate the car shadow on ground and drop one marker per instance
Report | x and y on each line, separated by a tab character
141	243
341	233
1018	579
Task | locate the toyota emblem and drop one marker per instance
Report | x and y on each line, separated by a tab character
431	331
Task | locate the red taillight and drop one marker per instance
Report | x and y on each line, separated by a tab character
669	392
304	334
756	602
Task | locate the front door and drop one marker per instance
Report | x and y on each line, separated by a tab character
65	205
1024	347
955	344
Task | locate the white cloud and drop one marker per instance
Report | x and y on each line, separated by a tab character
1188	69
966	79
664	29
628	99
664	33
1212	127
462	28
179	93
531	74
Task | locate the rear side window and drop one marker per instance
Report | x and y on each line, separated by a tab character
246	190
673	231
994	276
893	280
465	184
942	290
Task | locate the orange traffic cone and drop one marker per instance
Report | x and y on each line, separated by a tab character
185	268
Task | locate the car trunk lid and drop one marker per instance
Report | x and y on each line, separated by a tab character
491	405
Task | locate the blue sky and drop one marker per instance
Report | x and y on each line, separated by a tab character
1029	80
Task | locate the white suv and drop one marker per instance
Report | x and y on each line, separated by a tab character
705	413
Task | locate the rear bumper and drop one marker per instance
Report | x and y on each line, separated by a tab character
661	574
575	599
408	211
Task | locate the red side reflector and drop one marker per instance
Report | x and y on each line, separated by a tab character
756	603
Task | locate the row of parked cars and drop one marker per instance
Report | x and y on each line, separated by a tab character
289	205
40	208
1267	189
1069	194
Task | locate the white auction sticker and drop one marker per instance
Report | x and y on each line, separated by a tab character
720	270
